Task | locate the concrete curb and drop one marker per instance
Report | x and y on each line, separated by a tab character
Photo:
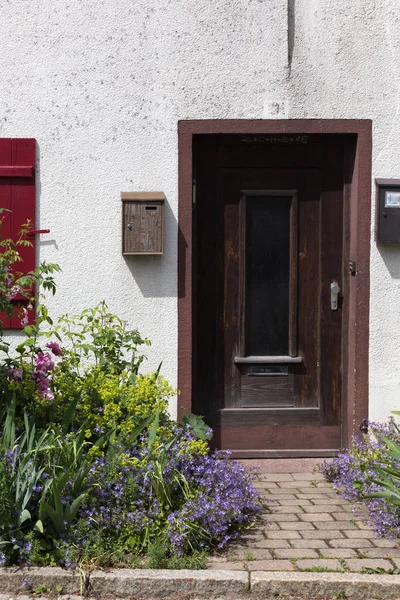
127	583
157	584
352	586
164	584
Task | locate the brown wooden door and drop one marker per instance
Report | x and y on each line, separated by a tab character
269	236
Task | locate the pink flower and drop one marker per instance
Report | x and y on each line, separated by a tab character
14	291
44	364
54	347
24	319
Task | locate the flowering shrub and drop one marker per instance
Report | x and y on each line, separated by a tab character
97	373
91	466
190	503
60	504
355	472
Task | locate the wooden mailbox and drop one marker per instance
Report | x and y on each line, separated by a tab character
142	223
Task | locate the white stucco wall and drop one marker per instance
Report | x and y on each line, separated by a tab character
102	84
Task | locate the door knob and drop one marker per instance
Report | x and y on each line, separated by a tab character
335	289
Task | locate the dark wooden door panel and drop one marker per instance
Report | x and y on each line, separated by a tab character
298	409
267	392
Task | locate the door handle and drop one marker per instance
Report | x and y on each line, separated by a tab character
335	289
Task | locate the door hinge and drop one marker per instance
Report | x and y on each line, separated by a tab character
352	267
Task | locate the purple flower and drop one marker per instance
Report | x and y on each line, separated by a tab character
13	292
24	317
14	373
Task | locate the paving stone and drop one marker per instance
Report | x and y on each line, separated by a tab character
270	565
284	535
289	484
294	502
309	544
319	509
270	527
277	477
361	525
308	489
281	497
329	564
357	564
284	518
321	534
328	501
248	540
250	554
267	485
367	534
296	553
341	516
312	496
225	566
308	476
219	557
381	552
337	499
273	544
384	543
339	553
322	484
335	525
355	543
313	518
291	509
299	526
396	561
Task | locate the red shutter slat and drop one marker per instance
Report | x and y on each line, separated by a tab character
10	171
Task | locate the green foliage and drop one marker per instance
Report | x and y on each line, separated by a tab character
100	400
202	430
387	477
158	557
95	375
98	336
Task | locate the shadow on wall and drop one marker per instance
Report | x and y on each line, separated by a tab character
390	254
156	276
39	222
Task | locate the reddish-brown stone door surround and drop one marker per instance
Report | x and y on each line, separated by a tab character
355	165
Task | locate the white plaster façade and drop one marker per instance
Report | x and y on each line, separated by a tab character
101	86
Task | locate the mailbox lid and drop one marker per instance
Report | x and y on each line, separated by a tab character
142	222
388	211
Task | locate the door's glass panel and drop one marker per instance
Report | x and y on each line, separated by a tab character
267	275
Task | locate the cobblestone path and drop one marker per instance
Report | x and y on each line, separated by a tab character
306	526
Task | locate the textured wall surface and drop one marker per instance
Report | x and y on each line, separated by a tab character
102	84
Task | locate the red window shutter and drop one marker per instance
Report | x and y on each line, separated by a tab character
17	193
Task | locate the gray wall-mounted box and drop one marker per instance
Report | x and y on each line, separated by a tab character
142	222
387	224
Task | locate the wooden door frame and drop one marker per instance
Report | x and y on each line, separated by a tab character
357	215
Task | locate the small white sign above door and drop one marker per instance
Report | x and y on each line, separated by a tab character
392	199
